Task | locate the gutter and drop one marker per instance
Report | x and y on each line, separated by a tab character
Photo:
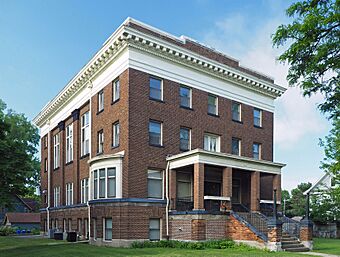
167	198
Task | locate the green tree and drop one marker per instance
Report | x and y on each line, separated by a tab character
297	202
19	168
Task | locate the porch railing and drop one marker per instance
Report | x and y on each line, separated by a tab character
184	203
260	222
290	226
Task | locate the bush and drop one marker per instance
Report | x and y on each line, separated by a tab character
213	244
5	231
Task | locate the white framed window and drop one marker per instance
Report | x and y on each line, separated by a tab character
64	225
69	143
257	117
95	184
184	185
155	133
86	228
69	224
100	140
211	142
236	111
154	229
115	90
100	101
155	184
111	182
257	151
56	194
56	152
156	88
236	146
185	94
115	134
45	142
80	227
185	139
107	229
104	183
94	224
84	192
85	134
213	104
69	193
45	165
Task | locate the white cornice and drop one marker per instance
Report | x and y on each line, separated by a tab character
124	37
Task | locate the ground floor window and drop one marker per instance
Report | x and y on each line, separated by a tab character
64	225
94	224
79	227
108	229
69	224
86	228
154	229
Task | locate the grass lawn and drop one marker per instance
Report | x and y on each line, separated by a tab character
18	247
323	245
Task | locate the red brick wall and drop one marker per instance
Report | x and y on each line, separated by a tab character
238	231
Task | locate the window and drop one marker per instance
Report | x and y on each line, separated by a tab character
155	133
69	224
155	184
111	182
257	117
45	142
212	105
184	189
104	183
115	134
86	228
236	146
84	193
185	136
56	141
45	165
85	134
69	143
100	101
80	231
236	111
94	224
257	151
69	193
108	229
56	193
100	140
185	95
156	89
154	230
211	142
64	225
115	90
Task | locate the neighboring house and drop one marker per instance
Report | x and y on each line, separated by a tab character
19	205
159	137
22	221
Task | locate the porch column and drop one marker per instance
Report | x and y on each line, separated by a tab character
255	191
227	178
198	186
277	186
172	189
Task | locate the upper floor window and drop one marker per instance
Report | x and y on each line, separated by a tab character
56	148
45	141
100	140
69	193
184	187
155	133
85	134
257	151
185	95
100	101
236	111
84	193
45	165
104	183
115	90
156	88
212	104
155	184
211	142
257	117
69	143
115	134
56	194
236	146
185	136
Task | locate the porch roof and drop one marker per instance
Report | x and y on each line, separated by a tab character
224	160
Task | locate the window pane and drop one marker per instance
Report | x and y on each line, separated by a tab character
116	90
256	151
184	93
184	139
108	229
155	188
102	183
212	104
257	117
111	182
236	115
156	88
183	189
154	229
155	133
235	146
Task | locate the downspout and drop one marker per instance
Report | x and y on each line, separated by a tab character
48	176
167	198
90	156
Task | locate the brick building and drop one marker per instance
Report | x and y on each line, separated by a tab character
159	137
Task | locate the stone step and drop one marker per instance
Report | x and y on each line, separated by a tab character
290	242
298	249
284	239
296	245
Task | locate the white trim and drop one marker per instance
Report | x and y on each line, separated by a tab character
270	201
324	181
217	198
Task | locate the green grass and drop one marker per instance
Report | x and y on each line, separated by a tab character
323	245
19	247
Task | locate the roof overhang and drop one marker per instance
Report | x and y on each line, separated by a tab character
223	160
324	183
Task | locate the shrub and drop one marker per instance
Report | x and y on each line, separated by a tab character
5	231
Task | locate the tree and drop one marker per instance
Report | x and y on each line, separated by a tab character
297	202
314	51
19	168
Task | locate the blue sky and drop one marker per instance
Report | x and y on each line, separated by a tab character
43	44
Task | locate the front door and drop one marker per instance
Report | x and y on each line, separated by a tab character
236	192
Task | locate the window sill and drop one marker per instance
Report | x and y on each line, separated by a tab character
114	146
237	121
55	169
68	163
214	115
97	154
115	101
156	100
160	146
85	156
186	108
99	112
184	150
259	127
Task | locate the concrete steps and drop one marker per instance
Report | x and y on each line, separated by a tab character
292	244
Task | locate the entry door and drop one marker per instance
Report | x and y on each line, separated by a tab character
236	193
